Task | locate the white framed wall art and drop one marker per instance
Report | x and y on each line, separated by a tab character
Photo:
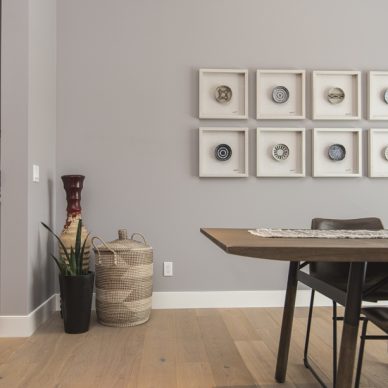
223	152
280	152
337	152
378	95
336	95
223	93
281	94
378	153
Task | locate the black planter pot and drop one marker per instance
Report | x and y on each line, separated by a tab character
76	301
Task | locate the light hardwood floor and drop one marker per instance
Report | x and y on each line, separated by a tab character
179	348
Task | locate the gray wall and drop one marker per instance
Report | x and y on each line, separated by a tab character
41	148
128	118
14	157
127	103
28	137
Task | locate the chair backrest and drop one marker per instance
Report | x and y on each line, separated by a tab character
371	223
338	272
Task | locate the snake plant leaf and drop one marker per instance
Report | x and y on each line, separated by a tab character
81	259
61	265
73	263
78	243
59	240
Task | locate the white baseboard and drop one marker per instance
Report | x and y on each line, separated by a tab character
228	299
237	299
25	325
231	299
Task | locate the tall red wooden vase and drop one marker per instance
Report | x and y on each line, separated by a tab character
73	185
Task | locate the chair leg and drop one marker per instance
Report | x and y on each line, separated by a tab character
334	343
306	344
361	354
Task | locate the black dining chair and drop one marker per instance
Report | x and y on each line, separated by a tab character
330	279
379	317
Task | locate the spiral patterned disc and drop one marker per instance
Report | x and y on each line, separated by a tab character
280	152
385	153
337	152
335	95
223	152
280	94
385	96
223	94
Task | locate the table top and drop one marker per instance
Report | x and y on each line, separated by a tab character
241	242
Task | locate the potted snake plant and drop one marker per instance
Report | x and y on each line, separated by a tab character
76	284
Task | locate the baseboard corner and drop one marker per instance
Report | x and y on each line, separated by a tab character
26	325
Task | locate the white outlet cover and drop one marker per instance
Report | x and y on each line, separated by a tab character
167	268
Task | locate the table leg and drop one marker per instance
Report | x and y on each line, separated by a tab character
288	316
350	328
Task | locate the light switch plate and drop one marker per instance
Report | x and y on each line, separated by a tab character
35	173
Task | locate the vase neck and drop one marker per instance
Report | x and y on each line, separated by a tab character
73	185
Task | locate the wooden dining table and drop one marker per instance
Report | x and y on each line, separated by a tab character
295	250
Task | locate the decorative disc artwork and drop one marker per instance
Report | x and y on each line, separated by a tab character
337	152
280	94
280	152
335	95
223	152
385	153
223	94
385	96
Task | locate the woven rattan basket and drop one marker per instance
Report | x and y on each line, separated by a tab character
124	269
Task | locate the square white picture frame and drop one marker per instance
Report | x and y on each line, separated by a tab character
325	83
377	146
350	139
377	95
290	84
271	141
215	83
234	167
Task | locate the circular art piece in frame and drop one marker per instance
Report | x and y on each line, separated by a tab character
335	95
385	96
280	94
223	152
280	152
223	94
385	153
337	152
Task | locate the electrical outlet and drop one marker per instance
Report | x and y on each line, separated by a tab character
167	268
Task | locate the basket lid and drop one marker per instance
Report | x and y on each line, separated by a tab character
123	243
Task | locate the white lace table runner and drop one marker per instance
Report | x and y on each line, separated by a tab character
310	233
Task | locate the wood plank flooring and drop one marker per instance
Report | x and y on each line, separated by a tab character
204	348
